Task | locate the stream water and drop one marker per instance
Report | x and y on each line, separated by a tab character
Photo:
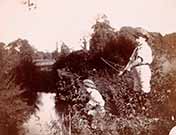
45	120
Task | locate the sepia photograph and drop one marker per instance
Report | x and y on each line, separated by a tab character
87	67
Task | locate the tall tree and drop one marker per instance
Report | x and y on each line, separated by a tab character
102	34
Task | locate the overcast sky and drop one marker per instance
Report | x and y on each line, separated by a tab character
69	20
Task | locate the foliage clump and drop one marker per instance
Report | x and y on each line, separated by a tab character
16	67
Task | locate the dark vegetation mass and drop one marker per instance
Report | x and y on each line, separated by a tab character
128	112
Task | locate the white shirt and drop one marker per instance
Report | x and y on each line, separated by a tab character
144	51
95	97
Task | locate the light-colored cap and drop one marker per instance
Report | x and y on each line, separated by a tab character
89	83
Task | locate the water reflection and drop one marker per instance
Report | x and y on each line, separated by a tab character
45	120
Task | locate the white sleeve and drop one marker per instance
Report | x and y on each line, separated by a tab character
96	96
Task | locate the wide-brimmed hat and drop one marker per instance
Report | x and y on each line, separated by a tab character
143	32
